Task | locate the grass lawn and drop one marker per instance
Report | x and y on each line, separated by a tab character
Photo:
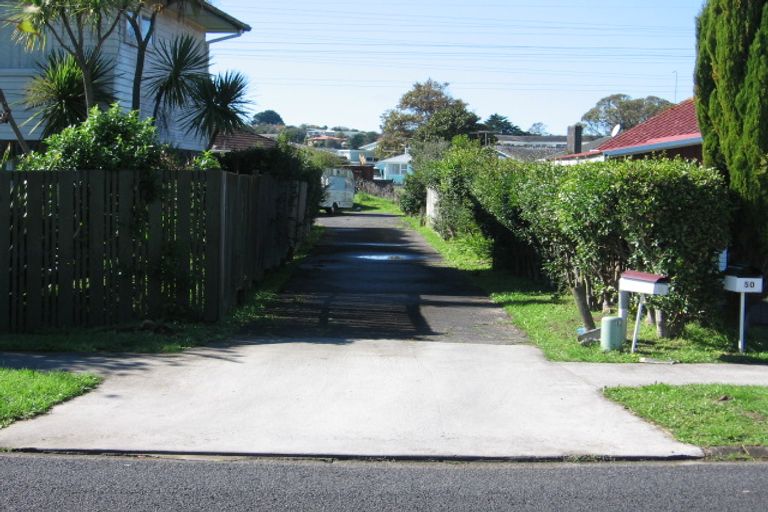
27	393
703	415
177	335
550	320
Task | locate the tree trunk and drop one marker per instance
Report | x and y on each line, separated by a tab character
661	325
650	319
7	117
87	83
579	292
213	139
138	74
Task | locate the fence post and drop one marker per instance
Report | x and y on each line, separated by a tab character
5	246
215	203
65	278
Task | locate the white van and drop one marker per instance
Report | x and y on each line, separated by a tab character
338	190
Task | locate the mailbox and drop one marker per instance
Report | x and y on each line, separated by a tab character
743	280
643	283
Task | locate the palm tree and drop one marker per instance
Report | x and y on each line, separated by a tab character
79	27
57	94
218	105
180	64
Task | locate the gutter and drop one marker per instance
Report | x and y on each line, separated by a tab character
648	148
225	38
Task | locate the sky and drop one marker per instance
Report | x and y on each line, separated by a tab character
345	62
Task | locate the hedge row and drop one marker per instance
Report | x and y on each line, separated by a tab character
588	223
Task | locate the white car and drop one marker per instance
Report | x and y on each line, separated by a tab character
338	190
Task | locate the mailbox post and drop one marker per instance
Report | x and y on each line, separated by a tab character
644	284
743	280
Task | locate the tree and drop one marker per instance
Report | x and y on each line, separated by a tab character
217	106
501	125
179	66
414	109
268	117
622	110
397	129
78	26
538	128
357	140
731	73
295	134
448	122
57	94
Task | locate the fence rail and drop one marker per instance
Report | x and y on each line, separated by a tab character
104	248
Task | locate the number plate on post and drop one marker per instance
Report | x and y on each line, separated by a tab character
744	284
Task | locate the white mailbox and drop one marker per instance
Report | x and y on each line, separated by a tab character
643	283
744	284
743	280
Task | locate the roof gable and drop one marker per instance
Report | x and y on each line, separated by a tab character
676	122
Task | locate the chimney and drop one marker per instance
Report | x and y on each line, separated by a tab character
574	139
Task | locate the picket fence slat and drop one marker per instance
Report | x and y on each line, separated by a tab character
5	251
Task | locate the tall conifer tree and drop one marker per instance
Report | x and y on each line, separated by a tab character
732	104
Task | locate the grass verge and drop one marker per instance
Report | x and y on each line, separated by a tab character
712	415
27	393
550	320
168	337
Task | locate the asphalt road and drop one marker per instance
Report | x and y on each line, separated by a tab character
39	483
368	277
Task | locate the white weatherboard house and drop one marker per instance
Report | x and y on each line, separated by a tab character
18	66
395	168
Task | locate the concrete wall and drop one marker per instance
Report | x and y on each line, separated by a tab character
432	206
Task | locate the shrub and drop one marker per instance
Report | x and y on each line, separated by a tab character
205	161
413	197
674	217
107	140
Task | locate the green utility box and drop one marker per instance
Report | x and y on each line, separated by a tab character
612	333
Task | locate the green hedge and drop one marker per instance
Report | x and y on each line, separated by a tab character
590	222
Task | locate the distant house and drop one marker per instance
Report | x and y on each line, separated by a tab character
395	168
673	132
357	156
242	140
529	148
19	66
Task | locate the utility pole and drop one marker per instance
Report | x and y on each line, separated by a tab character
7	117
675	72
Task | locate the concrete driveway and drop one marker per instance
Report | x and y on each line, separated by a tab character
374	350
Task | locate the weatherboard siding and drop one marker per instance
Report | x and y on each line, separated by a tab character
18	67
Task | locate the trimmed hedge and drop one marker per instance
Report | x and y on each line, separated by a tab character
590	222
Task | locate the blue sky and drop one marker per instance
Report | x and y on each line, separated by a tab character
344	62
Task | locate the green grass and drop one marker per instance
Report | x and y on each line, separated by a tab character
27	393
703	415
176	336
550	320
373	204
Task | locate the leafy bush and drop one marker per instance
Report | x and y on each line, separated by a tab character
590	222
675	217
285	162
107	140
205	161
413	198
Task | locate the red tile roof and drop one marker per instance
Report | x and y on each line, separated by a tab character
675	123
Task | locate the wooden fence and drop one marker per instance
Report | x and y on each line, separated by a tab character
94	248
